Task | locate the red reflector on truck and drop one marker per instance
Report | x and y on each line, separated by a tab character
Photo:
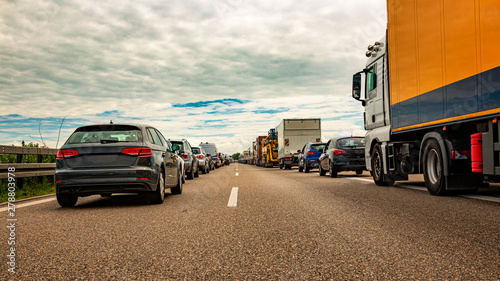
460	154
476	141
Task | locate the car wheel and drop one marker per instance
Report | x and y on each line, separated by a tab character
333	172
321	171
378	167
433	168
178	188
204	171
359	172
67	200
197	174
306	168
301	168
190	175
158	196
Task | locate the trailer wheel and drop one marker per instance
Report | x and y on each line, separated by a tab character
433	168
378	167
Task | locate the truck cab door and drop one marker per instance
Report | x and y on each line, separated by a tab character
374	103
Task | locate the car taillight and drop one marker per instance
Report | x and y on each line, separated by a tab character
184	156
138	151
310	153
288	159
200	156
339	152
62	154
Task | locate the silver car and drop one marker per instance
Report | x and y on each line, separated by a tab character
203	163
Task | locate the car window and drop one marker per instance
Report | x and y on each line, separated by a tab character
351	142
162	139
318	147
156	139
176	146
196	151
188	146
96	134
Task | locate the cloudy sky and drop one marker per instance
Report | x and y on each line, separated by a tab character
222	71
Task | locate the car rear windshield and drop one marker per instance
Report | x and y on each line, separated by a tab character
318	147
196	150
105	134
177	146
351	142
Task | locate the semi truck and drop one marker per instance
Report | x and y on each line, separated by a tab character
293	134
270	149
431	95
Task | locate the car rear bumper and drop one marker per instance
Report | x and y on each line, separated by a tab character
347	166
95	181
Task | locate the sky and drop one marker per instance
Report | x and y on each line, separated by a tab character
221	71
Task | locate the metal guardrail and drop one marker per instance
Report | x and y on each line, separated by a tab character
25	170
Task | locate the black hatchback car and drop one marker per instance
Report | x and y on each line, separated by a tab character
343	154
115	158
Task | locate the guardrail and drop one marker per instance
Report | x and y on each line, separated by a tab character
25	170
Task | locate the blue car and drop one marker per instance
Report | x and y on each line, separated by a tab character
309	155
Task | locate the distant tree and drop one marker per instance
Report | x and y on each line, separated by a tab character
236	155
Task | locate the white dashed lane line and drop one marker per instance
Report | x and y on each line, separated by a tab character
233	198
3	209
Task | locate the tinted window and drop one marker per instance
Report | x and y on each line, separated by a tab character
162	139
96	134
196	150
318	147
351	142
177	146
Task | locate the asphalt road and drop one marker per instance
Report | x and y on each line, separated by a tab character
282	225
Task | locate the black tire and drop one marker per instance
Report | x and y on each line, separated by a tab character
333	172
377	167
197	173
204	171
301	168
67	200
359	172
158	196
178	188
190	175
433	168
306	168
321	171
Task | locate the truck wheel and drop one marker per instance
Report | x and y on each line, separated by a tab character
158	196
333	172
67	200
321	171
359	172
378	167
433	168
178	188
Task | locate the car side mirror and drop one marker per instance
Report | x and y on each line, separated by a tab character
299	151
208	155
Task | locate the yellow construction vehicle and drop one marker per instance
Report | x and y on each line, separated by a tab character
270	149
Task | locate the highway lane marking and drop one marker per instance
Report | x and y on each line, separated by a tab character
237	174
28	204
421	188
233	198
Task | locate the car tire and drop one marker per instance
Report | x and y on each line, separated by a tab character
359	172
306	168
321	171
204	171
197	173
67	200
178	188
301	168
333	172
190	175
158	196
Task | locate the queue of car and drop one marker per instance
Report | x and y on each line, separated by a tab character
127	158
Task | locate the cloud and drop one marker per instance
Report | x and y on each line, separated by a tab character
177	65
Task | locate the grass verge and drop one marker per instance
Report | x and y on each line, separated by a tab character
30	188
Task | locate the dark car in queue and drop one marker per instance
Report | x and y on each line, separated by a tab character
183	149
116	158
343	154
309	155
203	159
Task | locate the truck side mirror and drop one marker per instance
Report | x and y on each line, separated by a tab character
356	86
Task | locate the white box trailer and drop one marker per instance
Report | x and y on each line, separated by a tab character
293	134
